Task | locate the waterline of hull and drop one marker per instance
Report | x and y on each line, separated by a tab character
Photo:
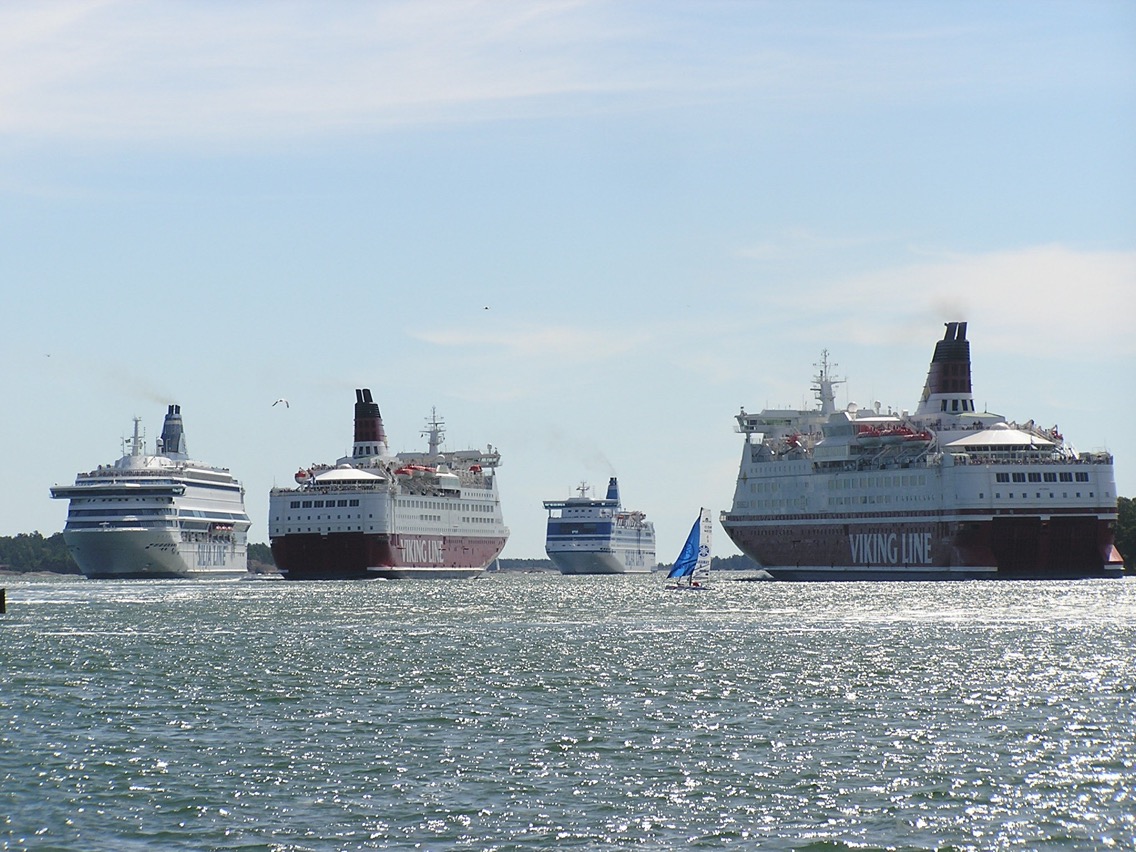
359	556
577	563
152	554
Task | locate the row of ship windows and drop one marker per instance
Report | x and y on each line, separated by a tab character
289	530
578	529
918	480
885	499
1045	476
872	499
123	500
321	517
914	480
169	512
421	517
896	481
1037	495
185	527
437	505
414	504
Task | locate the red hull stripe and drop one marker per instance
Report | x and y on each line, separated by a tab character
1012	546
357	555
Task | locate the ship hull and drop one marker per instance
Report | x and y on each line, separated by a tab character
577	563
152	554
358	555
1020	546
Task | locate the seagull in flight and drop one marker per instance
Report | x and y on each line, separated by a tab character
283	400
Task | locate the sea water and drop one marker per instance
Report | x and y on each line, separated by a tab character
539	711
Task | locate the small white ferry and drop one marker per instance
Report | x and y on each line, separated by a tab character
592	536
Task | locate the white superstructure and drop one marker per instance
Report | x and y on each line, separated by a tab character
156	515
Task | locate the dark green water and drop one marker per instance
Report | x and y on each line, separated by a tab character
567	712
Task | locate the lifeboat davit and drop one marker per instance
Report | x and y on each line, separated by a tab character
303	476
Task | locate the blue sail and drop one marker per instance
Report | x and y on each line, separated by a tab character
688	558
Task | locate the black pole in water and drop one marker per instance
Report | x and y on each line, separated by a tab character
3	608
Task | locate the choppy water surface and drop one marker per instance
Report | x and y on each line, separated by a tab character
515	712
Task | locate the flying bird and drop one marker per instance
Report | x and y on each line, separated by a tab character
286	405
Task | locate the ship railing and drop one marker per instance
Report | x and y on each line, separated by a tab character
629	523
1028	458
334	488
471	479
115	473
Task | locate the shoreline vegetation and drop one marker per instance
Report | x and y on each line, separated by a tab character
32	553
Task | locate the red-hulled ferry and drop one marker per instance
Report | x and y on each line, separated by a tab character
948	492
407	516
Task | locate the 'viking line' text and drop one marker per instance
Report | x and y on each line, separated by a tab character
890	548
417	551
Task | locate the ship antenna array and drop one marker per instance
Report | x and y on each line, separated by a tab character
823	384
133	446
435	431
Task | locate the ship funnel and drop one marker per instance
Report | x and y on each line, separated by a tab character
370	438
948	388
613	489
173	434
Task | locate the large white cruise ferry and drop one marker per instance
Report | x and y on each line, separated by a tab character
156	515
946	492
431	514
590	536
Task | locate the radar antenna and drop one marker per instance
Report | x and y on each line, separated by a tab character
823	384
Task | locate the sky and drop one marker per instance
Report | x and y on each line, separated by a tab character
585	232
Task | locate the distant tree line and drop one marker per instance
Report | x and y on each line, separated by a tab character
261	553
32	552
1126	531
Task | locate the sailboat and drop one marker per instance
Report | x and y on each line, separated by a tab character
692	568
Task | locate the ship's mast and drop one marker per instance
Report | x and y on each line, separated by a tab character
135	445
435	431
823	384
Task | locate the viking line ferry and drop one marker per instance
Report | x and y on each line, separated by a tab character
432	514
949	492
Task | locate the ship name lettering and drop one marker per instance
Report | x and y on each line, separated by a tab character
890	548
417	551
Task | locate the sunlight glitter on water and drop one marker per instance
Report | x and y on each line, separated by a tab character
515	711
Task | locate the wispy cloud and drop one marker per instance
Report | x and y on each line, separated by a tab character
113	68
1074	303
120	69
